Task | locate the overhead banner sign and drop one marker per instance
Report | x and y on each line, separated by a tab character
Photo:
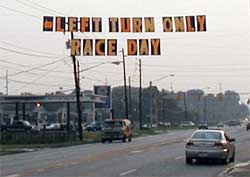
109	47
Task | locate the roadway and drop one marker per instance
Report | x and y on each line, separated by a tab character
160	155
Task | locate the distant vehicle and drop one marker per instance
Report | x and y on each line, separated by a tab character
210	144
20	125
94	126
203	126
164	124
220	124
187	124
117	129
234	123
248	126
56	127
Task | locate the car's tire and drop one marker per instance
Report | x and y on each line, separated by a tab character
110	141
130	139
103	140
232	159
189	160
225	161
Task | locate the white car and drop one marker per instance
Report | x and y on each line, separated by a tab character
210	144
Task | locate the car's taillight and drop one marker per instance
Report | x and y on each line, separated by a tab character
189	143
220	145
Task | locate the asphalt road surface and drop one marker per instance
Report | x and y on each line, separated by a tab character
160	155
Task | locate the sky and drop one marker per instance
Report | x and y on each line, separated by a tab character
38	62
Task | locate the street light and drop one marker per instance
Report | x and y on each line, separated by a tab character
113	62
151	95
205	105
157	80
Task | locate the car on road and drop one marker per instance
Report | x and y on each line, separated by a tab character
94	126
187	124
56	127
19	126
203	126
233	123
210	144
248	126
117	129
220	125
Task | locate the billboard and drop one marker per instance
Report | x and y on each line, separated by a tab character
104	91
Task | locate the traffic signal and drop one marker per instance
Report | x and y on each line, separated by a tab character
220	97
179	97
37	104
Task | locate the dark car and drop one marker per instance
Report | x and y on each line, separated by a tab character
203	126
234	123
94	126
20	125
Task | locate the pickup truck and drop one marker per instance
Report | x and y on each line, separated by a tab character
20	125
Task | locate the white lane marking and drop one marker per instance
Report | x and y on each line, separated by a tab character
180	157
137	151
15	175
128	172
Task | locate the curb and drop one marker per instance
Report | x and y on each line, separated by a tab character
228	171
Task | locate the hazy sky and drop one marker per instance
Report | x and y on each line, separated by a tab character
198	60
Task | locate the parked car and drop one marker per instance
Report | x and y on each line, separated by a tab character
117	129
20	125
203	126
187	124
210	144
94	126
248	126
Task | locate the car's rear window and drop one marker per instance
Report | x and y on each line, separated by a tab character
111	124
207	135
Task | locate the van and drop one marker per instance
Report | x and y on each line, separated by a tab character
117	129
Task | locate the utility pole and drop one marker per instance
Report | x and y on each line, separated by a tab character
130	99
140	99
185	105
7	83
151	103
125	85
77	89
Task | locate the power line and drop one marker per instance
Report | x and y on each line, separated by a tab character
36	79
20	12
34	68
37	84
43	7
40	52
28	54
32	6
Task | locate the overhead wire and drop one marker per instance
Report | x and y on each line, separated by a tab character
28	54
34	68
43	7
20	12
32	6
32	50
37	79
